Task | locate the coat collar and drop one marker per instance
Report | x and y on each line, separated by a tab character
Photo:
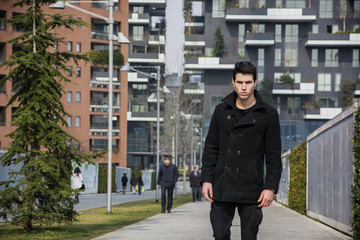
231	98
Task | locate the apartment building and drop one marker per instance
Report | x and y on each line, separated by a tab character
86	99
146	51
316	42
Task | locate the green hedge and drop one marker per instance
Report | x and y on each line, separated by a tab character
297	185
153	180
102	180
355	188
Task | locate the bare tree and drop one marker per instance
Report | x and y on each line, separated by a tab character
146	39
344	12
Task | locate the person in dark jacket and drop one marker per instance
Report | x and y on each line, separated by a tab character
195	184
133	183
140	184
124	181
167	177
243	130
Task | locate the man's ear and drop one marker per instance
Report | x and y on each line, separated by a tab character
255	84
233	82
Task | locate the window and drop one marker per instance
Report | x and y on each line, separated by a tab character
2	116
324	82
2	88
215	100
279	4
261	57
295	3
78	47
99	144
2	52
138	9
291	58
293	105
78	25
78	71
326	9
139	108
258	28
70	23
243	3
218	8
2	23
328	102
78	97
291	33
241	35
278	104
138	33
295	76
69	46
278	36
77	121
69	96
69	73
315	28
56	45
277	62
16	28
332	28
331	57
355	62
356	8
314	57
261	3
69	120
337	82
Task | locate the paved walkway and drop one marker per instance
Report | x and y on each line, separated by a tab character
191	222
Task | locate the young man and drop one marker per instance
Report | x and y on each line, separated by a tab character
243	130
133	183
168	176
195	184
124	181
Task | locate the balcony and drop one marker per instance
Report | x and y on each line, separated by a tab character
194	88
321	113
103	132
155	58
270	15
103	82
333	40
259	39
136	77
156	40
295	89
139	18
203	63
103	108
99	35
149	2
357	90
195	40
143	116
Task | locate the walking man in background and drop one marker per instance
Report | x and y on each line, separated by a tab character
133	183
195	184
124	181
243	130
168	176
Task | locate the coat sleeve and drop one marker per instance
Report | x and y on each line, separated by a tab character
176	174
159	176
211	150
273	153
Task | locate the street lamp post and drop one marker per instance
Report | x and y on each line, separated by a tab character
121	39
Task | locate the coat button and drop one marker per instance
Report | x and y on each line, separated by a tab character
237	170
238	152
241	135
228	117
229	150
231	134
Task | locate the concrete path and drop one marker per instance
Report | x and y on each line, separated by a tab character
191	222
100	200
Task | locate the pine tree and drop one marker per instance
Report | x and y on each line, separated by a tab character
347	92
219	46
40	193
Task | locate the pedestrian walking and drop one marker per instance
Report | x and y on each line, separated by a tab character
133	183
124	181
243	130
167	177
195	184
77	180
140	184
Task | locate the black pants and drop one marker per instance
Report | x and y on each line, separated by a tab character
169	198
196	194
222	214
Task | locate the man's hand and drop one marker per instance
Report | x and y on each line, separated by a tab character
207	191
266	198
159	185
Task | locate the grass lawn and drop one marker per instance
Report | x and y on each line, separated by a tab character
94	222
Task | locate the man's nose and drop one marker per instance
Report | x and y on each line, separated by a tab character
243	86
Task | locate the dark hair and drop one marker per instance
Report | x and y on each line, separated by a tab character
244	67
77	171
167	156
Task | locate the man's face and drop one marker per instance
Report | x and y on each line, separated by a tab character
244	85
167	161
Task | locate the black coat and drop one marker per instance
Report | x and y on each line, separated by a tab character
168	175
235	147
124	180
195	180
